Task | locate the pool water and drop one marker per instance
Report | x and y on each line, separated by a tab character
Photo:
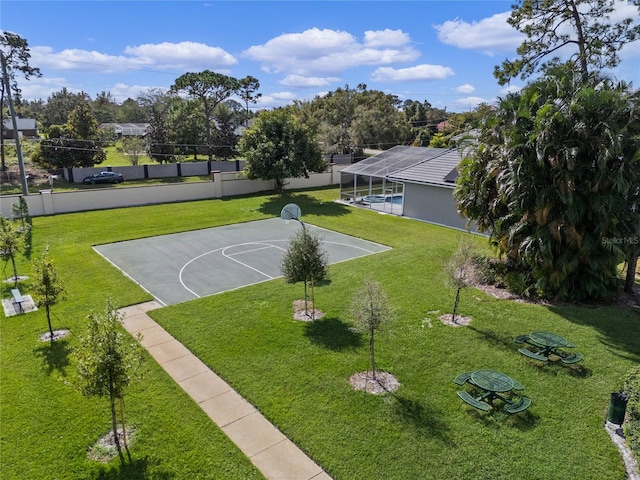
395	199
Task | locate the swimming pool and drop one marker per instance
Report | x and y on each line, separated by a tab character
395	199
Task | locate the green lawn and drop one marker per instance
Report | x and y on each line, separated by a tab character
296	373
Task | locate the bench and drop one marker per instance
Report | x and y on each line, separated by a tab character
521	339
462	378
474	402
573	358
519	406
17	299
530	354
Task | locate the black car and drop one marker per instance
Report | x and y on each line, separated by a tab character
104	177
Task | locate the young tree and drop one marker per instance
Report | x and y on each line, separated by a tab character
133	147
305	261
460	270
48	289
11	242
583	28
107	363
277	147
370	309
21	210
210	89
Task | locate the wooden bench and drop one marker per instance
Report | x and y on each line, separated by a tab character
519	406
474	402
530	354
17	300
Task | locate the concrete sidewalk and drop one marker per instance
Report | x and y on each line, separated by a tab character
267	448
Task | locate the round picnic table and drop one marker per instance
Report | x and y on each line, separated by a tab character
548	339
492	381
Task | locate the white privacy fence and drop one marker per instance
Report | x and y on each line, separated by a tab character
222	184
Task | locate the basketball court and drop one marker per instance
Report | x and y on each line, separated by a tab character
184	266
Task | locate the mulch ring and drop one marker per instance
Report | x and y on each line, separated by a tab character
461	321
383	382
308	314
57	335
104	450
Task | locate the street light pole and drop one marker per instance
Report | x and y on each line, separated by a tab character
16	134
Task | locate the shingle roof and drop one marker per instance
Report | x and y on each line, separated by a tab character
22	123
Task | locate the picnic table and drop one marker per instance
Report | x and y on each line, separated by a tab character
17	300
546	344
491	385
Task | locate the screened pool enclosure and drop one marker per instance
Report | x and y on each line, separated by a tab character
367	182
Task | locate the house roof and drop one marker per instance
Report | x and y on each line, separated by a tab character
424	165
127	128
393	160
440	170
22	123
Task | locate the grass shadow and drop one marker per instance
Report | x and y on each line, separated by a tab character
55	356
425	418
133	470
309	205
332	333
555	368
498	340
621	335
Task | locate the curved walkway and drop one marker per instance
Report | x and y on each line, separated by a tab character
268	449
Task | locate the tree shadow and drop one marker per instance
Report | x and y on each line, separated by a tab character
55	356
497	340
425	418
332	333
309	205
132	470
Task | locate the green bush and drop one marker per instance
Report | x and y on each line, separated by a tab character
632	426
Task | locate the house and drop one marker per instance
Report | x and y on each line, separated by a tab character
415	182
127	129
27	128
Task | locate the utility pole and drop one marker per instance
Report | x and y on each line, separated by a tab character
16	134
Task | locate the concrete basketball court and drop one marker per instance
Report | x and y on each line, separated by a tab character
183	266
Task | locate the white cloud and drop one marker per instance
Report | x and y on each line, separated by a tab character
510	89
490	35
44	87
302	81
385	38
315	52
419	72
182	55
163	56
276	99
471	102
466	88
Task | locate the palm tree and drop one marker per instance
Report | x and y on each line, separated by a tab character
553	172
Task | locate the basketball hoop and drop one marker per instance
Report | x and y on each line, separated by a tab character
291	211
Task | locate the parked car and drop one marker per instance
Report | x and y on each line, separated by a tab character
104	177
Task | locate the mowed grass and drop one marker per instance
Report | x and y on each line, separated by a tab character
297	373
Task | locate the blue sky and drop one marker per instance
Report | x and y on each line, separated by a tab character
440	51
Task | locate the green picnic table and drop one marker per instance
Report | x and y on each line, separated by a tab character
492	384
546	344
